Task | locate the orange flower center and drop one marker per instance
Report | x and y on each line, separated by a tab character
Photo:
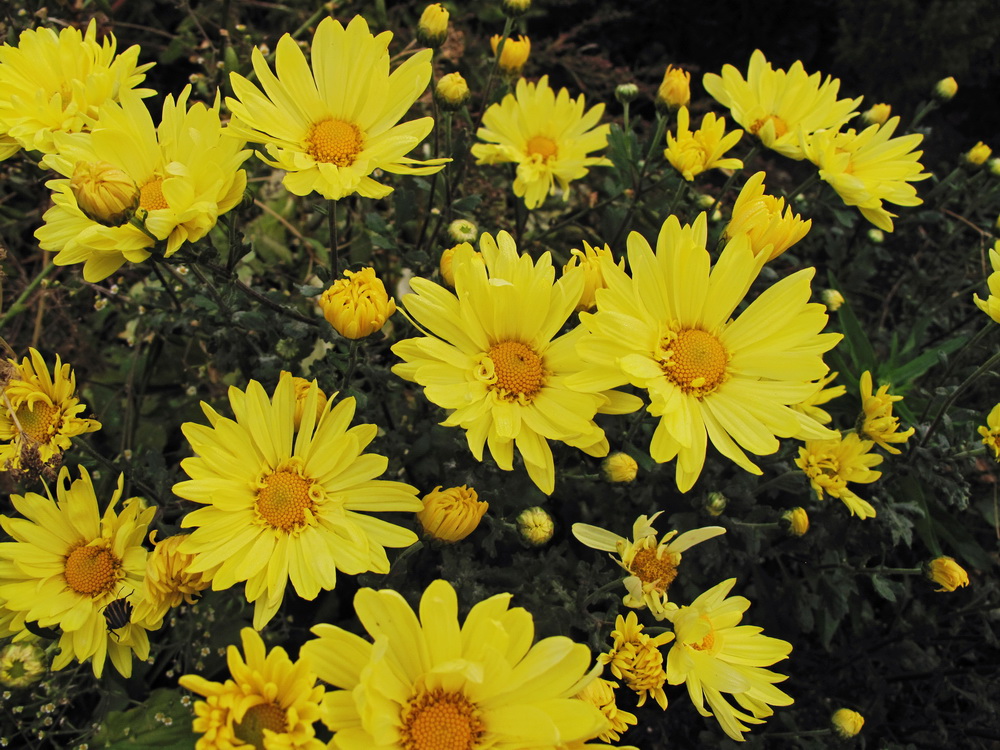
284	498
256	720
438	720
151	195
780	126
40	422
335	142
542	146
658	571
706	643
694	360
518	370
91	570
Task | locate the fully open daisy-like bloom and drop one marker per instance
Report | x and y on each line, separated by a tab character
494	360
692	153
330	126
72	562
55	83
269	701
548	136
668	329
284	504
831	464
436	683
183	174
991	431
877	422
991	305
765	219
869	167
635	657
713	655
651	564
40	413
778	105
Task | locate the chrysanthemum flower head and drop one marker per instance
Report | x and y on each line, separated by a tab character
947	573
869	167
651	563
770	226
40	414
991	432
436	682
358	305
877	422
668	329
877	114
978	154
795	521
187	172
692	153
23	664
831	464
451	515
601	693
284	505
169	582
847	723
778	105
55	83
269	701
675	89
811	406
991	305
535	525
589	259
329	126
714	655
946	88
494	360
452	91
548	136
635	657
72	562
514	54
619	467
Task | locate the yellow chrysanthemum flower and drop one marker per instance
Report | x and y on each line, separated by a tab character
693	153
675	89
651	564
877	422
847	723
11	621
668	329
778	105
811	406
434	682
991	432
978	154
770	226
302	389
72	562
40	414
169	581
991	305
494	360
947	573
877	114
635	657
714	655
601	693
869	167
186	170
284	504
55	83
268	702
514	54
330	126
795	521
831	464
547	135
589	259
451	515
358	305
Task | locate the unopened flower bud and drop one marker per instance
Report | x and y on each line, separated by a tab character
445	267
463	230
626	92
452	92
877	115
104	192
795	521
451	515
535	526
589	259
432	29
994	165
302	388
357	306
675	89
978	154
515	8
946	89
947	573
21	665
619	467
832	299
514	55
847	723
876	235
715	503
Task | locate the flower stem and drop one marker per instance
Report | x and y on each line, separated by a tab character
331	219
955	394
352	363
507	28
19	306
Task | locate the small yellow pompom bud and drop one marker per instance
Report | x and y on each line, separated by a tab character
535	525
514	55
515	8
104	192
877	115
433	27
847	723
626	92
716	503
832	299
795	521
452	92
946	89
447	260
619	467
451	515
357	306
302	388
21	665
675	89
463	230
589	259
947	573
978	154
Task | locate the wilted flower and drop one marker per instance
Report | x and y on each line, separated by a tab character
23	664
795	521
619	467
947	573
770	226
877	115
463	230
991	432
535	525
452	91
514	55
432	29
357	306
451	515
847	723
831	464
832	298
103	192
589	259
978	154
877	422
946	88
601	693
692	153
636	658
675	89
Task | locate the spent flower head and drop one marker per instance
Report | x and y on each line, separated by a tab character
635	658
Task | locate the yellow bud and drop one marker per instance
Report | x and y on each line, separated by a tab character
104	192
716	503
619	467
947	573
978	154
535	525
515	8
463	230
847	723
432	29
589	259
832	299
946	88
765	220
514	55
302	388
675	90
876	235
451	515
995	166
877	115
357	306
795	521
21	665
452	91
447	260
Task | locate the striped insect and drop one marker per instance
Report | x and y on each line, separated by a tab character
118	614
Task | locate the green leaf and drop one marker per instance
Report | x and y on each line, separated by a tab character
858	346
162	721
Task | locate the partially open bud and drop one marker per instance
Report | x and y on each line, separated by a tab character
947	573
589	259
877	115
535	526
432	29
104	192
619	467
451	92
451	515
445	266
302	388
514	55
978	154
795	521
515	8
847	723
946	89
675	90
832	299
357	306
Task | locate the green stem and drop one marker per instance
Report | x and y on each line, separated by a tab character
605	589
925	110
729	182
807	182
19	304
352	363
881	570
776	480
331	219
955	394
507	28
